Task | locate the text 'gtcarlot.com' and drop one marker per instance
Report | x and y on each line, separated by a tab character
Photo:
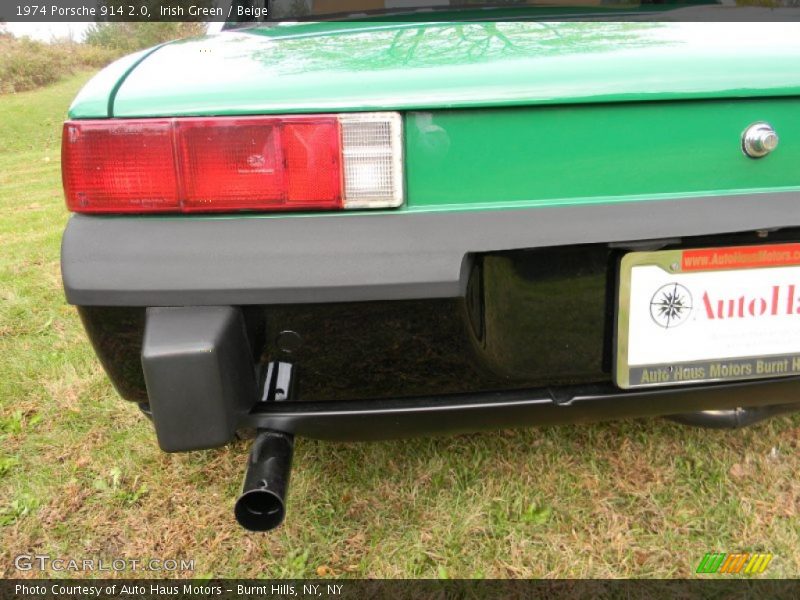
44	562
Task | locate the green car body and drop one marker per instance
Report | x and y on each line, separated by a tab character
536	155
509	110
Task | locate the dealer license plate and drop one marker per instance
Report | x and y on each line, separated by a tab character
710	314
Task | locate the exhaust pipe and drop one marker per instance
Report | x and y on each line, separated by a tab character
262	504
733	418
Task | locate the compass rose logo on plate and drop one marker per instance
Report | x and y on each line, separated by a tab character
671	305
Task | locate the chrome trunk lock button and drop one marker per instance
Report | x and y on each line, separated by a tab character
759	139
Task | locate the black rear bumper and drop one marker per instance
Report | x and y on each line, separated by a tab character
528	341
385	255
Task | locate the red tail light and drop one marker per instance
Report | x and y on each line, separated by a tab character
123	166
321	162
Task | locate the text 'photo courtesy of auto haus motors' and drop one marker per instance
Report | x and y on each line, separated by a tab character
377	229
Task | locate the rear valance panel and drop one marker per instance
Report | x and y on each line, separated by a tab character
528	318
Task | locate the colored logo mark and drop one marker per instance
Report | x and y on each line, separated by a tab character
743	563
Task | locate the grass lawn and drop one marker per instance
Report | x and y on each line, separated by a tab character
81	475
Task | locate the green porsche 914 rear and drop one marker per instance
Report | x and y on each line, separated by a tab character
379	228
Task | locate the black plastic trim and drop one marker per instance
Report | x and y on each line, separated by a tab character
388	255
199	374
388	419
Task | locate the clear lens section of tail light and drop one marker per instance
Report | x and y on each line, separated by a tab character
372	160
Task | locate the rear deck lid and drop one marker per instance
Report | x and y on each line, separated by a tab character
338	66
